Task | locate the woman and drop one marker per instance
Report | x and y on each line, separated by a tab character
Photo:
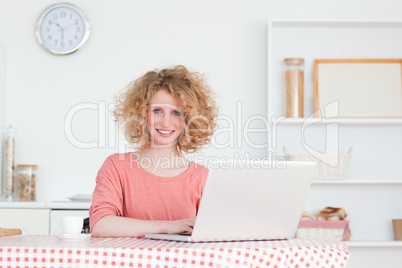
156	190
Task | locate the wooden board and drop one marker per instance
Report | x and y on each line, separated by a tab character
360	88
9	231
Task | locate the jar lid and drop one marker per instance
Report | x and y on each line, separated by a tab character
9	130
294	59
34	166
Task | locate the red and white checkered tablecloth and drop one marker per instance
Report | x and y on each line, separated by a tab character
49	251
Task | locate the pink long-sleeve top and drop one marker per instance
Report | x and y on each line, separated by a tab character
124	188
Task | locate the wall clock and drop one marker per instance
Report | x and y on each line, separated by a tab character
62	29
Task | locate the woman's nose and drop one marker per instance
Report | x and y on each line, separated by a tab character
166	120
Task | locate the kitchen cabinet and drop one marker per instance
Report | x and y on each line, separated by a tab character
39	217
29	220
370	192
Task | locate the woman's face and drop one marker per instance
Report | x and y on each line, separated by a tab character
165	121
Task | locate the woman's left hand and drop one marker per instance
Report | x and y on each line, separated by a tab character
184	226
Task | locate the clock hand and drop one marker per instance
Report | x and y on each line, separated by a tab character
61	28
70	25
62	31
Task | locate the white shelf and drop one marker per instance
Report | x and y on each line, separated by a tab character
330	39
22	204
337	21
367	244
353	182
344	121
340	39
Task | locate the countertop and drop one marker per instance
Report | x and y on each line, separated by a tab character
46	205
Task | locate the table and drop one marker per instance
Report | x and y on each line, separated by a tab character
50	251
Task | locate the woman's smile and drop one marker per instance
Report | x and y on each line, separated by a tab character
165	133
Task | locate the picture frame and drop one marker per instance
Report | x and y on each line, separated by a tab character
359	88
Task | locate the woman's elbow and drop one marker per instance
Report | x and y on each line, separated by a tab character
100	228
95	232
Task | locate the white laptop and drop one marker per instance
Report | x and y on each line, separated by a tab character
241	202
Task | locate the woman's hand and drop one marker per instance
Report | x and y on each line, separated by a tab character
184	226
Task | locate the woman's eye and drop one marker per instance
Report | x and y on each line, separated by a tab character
157	111
177	113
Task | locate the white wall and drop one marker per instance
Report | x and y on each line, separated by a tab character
3	71
226	40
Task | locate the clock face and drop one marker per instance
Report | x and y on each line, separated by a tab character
62	29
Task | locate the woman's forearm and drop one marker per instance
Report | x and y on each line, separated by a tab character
114	226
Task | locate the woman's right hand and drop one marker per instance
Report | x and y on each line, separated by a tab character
184	226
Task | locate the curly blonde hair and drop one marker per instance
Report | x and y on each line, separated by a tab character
196	101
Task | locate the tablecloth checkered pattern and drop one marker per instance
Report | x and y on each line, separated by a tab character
50	251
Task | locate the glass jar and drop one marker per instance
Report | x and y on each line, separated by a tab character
26	181
294	79
8	164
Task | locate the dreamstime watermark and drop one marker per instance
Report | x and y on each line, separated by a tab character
230	133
